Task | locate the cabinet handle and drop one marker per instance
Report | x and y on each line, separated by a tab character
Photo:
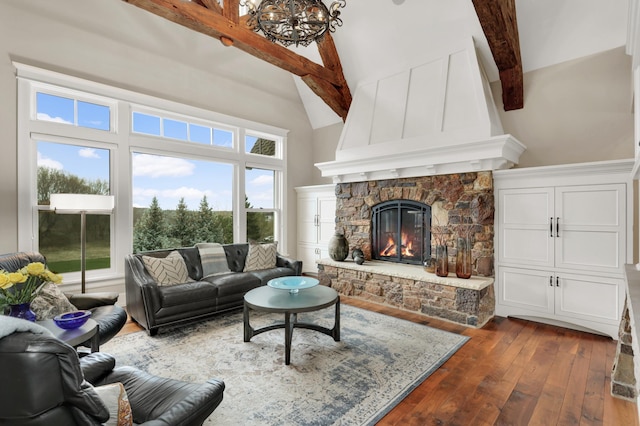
557	282
551	281
551	227
557	227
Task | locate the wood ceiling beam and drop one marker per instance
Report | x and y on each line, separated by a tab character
499	23
204	17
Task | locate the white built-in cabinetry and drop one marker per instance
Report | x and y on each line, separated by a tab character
316	223
562	242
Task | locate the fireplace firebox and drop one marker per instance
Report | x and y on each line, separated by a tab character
401	231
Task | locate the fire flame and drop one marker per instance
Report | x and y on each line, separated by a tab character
406	247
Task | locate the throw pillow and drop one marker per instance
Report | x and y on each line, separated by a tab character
168	271
51	302
115	398
261	256
213	258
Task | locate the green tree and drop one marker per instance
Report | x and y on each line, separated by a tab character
259	224
150	232
206	226
182	229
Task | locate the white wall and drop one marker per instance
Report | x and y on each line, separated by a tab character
31	37
574	112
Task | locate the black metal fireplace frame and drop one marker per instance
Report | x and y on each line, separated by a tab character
413	207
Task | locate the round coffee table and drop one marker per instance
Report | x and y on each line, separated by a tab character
267	299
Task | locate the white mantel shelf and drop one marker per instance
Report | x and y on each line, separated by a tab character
413	272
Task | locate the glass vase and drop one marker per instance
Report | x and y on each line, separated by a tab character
463	258
22	310
442	261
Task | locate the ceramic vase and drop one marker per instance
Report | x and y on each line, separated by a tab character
338	247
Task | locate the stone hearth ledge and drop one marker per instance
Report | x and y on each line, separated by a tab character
469	302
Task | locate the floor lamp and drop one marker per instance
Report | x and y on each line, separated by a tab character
82	204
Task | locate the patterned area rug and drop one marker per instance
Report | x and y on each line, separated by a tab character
356	381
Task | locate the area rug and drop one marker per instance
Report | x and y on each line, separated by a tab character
379	360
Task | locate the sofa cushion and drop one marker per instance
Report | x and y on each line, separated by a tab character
168	271
234	283
188	293
261	256
212	258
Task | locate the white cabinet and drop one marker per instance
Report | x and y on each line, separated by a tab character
316	223
568	227
561	243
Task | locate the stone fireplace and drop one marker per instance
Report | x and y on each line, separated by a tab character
454	200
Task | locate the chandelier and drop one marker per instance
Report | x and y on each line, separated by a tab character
293	21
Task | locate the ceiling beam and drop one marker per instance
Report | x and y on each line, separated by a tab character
498	21
204	17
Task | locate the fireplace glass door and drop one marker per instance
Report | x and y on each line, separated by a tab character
401	231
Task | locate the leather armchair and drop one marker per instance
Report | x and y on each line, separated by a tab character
45	383
109	316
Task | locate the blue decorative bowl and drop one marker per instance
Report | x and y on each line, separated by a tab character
72	320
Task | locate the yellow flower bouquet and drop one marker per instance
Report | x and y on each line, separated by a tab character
23	285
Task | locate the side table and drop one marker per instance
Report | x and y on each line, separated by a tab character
74	338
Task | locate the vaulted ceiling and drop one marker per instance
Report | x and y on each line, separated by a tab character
378	38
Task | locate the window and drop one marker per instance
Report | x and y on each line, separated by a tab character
167	164
261	146
260	204
150	124
179	202
59	109
68	168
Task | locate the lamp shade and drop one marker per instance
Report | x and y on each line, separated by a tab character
76	203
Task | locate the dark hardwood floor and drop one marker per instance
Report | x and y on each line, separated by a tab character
512	372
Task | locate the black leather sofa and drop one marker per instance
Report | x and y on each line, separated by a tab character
45	383
153	306
104	310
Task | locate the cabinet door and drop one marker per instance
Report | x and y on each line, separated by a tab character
326	219
590	298
524	226
591	223
526	288
307	220
308	253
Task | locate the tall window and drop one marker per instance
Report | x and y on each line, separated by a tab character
259	204
77	169
178	202
176	172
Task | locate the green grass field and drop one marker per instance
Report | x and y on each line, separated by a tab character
67	259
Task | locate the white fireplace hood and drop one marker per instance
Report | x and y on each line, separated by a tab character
438	117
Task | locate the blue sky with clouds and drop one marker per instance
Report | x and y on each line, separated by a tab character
165	177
